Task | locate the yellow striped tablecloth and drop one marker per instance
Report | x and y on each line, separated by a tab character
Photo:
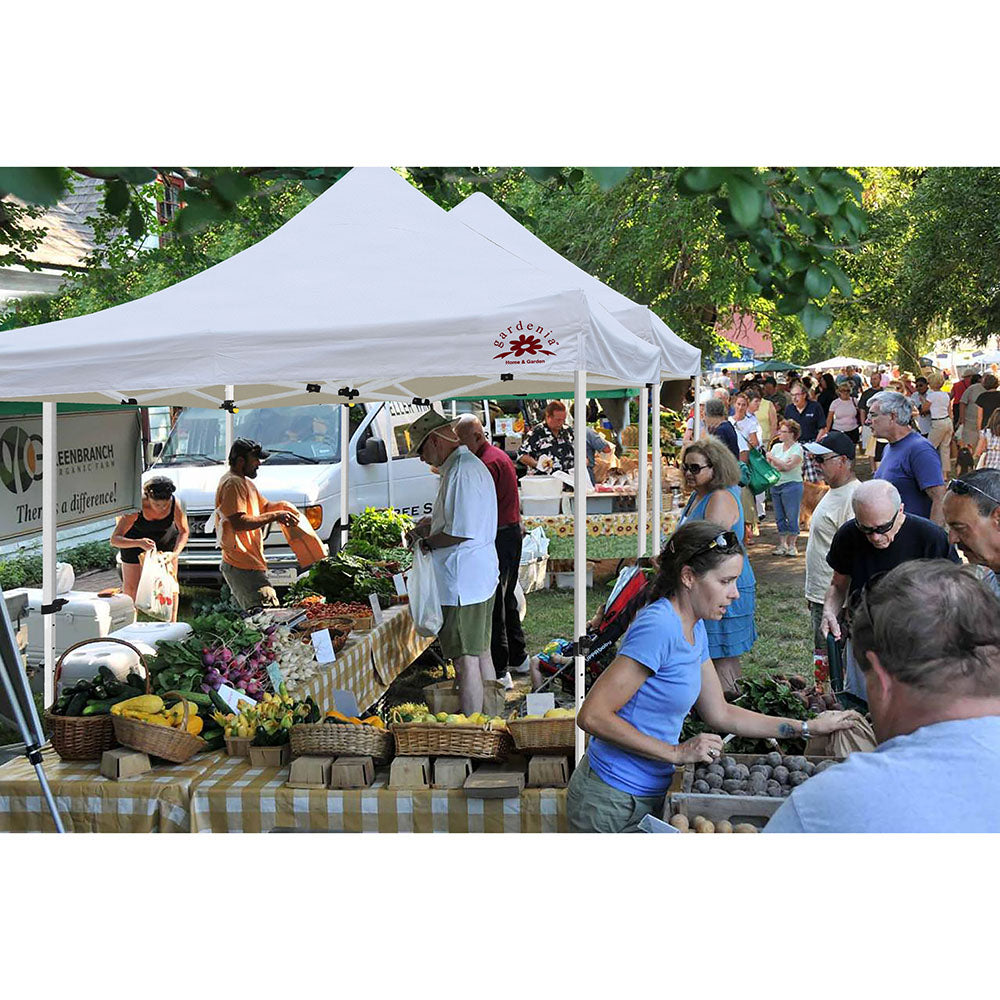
233	797
155	802
369	662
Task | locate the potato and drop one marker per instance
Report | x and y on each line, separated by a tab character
680	822
727	761
723	826
757	784
810	768
823	765
745	828
760	762
702	787
713	781
797	777
716	769
774	789
730	771
699	774
774	759
781	775
742	772
796	763
702	825
764	769
733	787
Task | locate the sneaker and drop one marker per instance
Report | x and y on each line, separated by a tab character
507	681
522	668
791	552
779	550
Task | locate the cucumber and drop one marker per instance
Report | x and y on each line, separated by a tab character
216	700
214	740
98	708
77	703
198	697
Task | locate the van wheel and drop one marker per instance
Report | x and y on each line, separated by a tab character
333	542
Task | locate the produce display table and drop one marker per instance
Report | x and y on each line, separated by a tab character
597	524
369	662
231	797
155	802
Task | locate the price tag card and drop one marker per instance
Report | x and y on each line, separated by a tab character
232	697
274	672
376	608
503	426
323	645
399	582
539	704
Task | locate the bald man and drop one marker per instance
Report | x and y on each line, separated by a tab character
507	645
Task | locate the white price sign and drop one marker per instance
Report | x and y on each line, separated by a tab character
232	697
323	645
376	608
399	582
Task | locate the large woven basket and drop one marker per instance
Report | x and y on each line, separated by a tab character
541	735
417	739
175	745
83	737
325	739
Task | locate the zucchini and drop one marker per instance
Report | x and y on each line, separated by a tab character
214	740
77	703
98	708
217	701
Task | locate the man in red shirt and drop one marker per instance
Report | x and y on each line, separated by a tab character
507	644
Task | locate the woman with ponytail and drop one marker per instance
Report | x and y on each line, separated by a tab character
636	708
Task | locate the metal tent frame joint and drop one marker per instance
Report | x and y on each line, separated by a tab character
55	607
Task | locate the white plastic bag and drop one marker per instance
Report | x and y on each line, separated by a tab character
65	577
421	585
156	594
534	545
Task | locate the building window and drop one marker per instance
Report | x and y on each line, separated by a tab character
171	203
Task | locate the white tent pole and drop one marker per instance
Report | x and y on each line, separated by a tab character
640	505
486	420
230	421
454	409
388	455
657	542
581	483
345	454
49	523
696	432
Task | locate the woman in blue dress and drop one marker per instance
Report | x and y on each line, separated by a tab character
713	475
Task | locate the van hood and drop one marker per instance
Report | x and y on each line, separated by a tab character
298	484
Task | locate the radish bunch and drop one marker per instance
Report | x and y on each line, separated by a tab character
246	671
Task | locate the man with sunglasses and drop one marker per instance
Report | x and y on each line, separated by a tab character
879	537
972	513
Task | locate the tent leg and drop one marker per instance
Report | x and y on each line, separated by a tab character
696	431
581	483
230	421
640	505
657	537
486	420
49	527
345	483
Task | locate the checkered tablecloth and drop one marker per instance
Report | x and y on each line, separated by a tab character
369	662
233	797
155	802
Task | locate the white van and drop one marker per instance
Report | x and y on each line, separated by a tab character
304	469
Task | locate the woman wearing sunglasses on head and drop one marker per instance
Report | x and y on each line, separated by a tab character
636	708
713	475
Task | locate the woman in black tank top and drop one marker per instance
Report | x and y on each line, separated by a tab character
161	524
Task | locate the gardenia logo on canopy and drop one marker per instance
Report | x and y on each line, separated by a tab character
525	345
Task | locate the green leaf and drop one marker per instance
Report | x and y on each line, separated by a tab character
701	180
815	320
35	185
856	217
826	203
745	201
137	175
317	185
839	228
818	282
231	186
575	176
542	174
197	214
840	279
792	303
807	227
116	197
608	177
136	224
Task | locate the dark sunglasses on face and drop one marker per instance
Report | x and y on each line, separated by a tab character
878	529
961	488
693	469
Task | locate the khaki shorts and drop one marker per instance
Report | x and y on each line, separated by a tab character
594	806
250	587
467	629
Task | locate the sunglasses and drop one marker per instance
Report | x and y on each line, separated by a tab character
693	469
961	488
724	541
878	529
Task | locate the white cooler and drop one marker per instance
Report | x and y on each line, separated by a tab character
85	616
541	496
84	663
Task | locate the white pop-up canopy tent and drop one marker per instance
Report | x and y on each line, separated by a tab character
373	290
677	358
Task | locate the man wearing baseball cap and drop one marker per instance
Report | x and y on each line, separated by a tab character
243	513
461	536
835	457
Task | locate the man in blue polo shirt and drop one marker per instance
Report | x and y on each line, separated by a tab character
812	423
910	462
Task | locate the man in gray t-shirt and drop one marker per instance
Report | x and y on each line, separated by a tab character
934	691
968	409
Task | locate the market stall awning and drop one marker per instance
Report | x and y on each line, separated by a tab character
486	217
774	366
371	288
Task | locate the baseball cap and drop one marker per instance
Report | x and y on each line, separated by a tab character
835	443
418	432
242	447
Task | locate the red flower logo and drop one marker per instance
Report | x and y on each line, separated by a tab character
524	344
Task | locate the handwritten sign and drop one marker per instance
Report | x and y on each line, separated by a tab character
399	582
232	697
376	608
503	426
323	645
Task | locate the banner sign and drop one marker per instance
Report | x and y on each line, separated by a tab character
98	469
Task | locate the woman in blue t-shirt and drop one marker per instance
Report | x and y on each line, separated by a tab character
635	710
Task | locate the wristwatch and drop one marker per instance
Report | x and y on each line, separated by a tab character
805	729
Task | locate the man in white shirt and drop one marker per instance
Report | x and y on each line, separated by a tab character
461	535
919	401
835	458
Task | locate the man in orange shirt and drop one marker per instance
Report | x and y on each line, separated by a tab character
243	513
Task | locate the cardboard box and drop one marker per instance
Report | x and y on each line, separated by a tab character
123	763
270	756
451	772
410	772
495	781
548	772
238	746
352	772
310	772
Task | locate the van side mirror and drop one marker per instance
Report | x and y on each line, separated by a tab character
372	451
157	449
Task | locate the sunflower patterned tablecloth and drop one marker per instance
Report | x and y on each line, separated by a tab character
561	525
234	797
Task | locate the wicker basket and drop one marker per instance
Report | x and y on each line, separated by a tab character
83	737
417	739
543	735
175	745
325	739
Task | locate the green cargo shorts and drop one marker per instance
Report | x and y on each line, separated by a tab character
467	629
594	806
250	587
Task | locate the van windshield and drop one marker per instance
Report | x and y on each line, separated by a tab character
309	434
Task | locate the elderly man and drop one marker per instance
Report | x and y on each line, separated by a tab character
835	458
972	513
549	446
910	462
243	514
462	537
717	423
507	646
934	692
879	537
